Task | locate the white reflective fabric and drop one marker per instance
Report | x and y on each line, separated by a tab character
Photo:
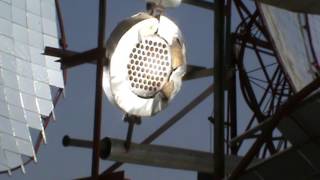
26	28
292	44
135	79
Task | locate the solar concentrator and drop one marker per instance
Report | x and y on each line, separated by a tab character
147	61
26	75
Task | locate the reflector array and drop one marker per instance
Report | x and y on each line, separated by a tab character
289	33
26	27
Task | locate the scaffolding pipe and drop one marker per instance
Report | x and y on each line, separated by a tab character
154	155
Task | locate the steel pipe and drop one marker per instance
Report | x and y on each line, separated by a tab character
67	141
155	155
99	92
161	156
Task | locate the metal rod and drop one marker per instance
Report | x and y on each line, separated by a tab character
58	52
99	92
112	176
204	176
67	141
72	58
263	125
259	49
232	91
195	74
174	119
254	40
63	39
127	144
219	109
245	84
233	107
80	58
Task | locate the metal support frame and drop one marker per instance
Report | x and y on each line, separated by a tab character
229	54
284	110
144	154
70	59
277	88
174	119
219	98
99	92
274	88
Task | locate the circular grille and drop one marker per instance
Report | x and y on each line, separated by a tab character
145	64
149	66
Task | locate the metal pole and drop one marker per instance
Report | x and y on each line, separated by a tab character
232	98
219	109
155	155
232	85
196	101
63	39
98	98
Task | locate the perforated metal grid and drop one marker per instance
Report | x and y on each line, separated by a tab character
149	66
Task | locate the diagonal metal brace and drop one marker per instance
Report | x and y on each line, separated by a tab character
71	59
